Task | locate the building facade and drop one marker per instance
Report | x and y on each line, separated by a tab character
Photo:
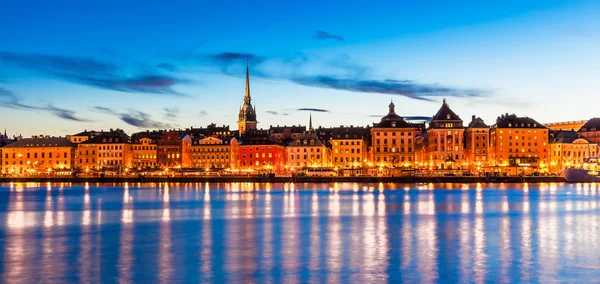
307	151
107	151
392	141
38	155
519	145
569	149
144	153
174	150
445	148
259	153
214	153
349	147
477	137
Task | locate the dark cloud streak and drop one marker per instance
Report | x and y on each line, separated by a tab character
355	79
95	73
323	35
9	99
135	118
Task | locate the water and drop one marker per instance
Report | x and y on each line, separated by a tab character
274	233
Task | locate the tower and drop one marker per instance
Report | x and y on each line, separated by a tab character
310	127
247	116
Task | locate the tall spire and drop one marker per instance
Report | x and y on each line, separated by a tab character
310	127
247	98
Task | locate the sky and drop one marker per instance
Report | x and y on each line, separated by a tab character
69	66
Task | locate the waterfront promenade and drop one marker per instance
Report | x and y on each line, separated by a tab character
404	179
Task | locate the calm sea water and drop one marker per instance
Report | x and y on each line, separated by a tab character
342	232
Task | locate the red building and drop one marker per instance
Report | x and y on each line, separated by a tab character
258	153
174	150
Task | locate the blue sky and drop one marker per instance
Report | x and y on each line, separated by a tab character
66	66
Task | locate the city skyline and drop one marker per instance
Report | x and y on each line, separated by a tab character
64	69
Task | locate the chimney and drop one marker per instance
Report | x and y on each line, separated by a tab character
473	117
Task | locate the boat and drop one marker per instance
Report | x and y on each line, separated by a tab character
587	173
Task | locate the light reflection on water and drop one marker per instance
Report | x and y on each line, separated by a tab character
296	232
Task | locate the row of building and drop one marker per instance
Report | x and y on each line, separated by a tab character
512	144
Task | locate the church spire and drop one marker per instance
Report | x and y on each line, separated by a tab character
247	98
310	127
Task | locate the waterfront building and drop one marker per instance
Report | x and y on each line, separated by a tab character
519	145
392	141
174	150
477	137
144	151
214	153
247	114
569	149
107	151
348	145
307	150
445	134
259	153
38	155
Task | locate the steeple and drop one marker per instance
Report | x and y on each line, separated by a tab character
247	114
310	127
247	98
392	107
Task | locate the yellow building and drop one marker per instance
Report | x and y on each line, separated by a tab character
445	148
477	137
38	155
348	147
519	145
144	153
307	151
214	152
569	149
392	141
109	151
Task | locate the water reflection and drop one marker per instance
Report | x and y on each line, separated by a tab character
338	232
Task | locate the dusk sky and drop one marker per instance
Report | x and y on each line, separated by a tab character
66	66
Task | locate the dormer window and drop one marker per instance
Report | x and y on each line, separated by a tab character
393	124
510	125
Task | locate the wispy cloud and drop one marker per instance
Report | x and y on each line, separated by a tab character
95	73
171	113
312	109
135	118
202	113
8	99
277	112
323	35
340	73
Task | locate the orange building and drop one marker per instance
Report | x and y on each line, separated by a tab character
174	150
144	153
519	145
349	146
477	137
392	141
38	155
445	148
